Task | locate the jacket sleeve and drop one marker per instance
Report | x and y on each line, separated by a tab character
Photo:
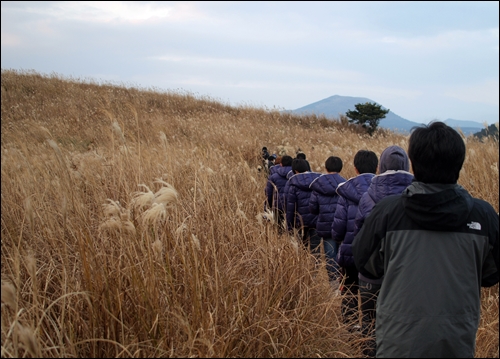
358	221
290	203
339	224
490	268
361	213
367	243
314	203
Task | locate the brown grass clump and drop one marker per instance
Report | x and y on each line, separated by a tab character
132	226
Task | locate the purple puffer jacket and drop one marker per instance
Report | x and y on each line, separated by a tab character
275	188
324	200
297	194
274	168
343	222
386	184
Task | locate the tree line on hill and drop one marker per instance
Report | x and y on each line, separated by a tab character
491	130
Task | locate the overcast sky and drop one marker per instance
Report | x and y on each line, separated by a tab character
422	60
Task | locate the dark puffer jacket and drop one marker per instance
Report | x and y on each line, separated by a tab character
275	188
298	193
386	184
323	201
343	222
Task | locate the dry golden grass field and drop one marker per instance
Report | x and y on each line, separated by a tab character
132	226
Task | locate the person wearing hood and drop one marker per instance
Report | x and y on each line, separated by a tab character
393	178
298	193
435	246
323	202
350	192
275	189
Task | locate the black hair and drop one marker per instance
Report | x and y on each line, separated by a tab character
286	160
301	155
436	152
333	164
300	165
366	161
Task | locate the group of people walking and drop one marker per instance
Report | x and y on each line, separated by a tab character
416	247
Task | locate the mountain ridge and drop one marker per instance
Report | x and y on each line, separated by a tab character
333	106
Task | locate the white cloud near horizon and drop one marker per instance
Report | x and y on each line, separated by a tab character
109	11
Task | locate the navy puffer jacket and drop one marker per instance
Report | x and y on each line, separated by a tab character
323	201
298	194
343	222
383	185
275	188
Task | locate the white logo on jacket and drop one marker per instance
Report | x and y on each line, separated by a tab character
474	225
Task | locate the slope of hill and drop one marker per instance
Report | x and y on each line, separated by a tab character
133	221
467	127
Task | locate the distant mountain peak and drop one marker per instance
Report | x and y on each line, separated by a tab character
333	106
336	105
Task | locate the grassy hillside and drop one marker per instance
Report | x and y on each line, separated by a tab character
132	226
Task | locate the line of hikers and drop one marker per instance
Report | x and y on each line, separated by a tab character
364	252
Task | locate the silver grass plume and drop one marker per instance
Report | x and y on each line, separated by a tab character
118	132
27	337
166	195
157	212
143	199
118	218
196	241
9	294
163	139
112	208
157	247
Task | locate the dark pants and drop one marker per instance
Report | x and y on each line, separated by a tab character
349	291
330	248
305	234
368	294
280	220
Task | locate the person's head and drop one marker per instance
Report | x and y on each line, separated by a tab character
301	155
394	158
299	165
437	153
278	160
366	161
286	160
333	164
272	157
264	149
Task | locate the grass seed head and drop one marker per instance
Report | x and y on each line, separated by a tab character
112	208
196	241
156	213
27	337
9	294
118	132
143	199
157	247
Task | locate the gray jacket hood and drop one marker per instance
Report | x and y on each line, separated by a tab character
394	158
437	206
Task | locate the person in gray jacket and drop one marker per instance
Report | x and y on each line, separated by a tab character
436	246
